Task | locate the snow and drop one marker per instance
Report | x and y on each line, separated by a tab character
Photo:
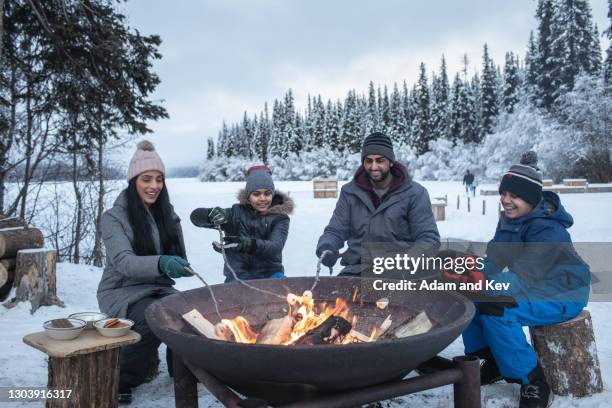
21	365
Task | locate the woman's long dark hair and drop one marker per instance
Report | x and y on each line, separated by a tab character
162	213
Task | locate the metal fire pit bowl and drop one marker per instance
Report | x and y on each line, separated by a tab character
324	367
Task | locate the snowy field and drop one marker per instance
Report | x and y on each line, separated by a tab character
22	366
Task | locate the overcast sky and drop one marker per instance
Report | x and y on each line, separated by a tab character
222	57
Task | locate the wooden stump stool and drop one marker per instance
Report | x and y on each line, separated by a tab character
87	365
568	356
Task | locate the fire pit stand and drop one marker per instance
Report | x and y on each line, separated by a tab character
463	372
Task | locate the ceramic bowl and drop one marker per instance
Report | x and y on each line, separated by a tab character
68	333
89	317
113	331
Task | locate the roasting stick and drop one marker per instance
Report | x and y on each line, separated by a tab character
212	295
319	262
234	272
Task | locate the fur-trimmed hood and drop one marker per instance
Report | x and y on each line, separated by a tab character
281	202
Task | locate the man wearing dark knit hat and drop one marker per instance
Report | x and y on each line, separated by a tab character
380	205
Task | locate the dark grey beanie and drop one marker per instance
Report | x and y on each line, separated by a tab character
377	143
524	179
259	177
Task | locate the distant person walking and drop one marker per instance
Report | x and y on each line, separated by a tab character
468	181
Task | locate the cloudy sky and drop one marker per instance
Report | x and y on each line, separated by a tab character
222	57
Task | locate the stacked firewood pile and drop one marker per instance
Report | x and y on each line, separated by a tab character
26	265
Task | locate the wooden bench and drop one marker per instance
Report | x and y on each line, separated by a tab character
568	355
325	188
578	182
87	365
547	183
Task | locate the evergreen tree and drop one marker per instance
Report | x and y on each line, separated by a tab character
421	124
511	82
318	123
440	103
263	139
333	125
247	133
607	68
210	149
373	117
546	67
351	140
595	52
276	144
408	111
397	125
291	141
489	94
384	109
531	66
571	47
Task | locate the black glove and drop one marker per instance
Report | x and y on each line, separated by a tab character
237	244
331	255
217	216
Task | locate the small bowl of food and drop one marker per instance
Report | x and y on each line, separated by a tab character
88	317
64	329
114	327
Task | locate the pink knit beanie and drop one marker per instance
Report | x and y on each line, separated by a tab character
145	159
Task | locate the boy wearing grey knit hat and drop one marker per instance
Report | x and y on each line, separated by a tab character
542	281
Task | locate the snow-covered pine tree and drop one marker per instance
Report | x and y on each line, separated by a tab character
511	82
373	117
291	141
318	123
350	139
440	103
397	126
333	125
595	60
545	63
408	112
276	142
607	68
421	126
298	141
475	132
248	131
222	141
489	93
572	44
531	67
210	149
384	109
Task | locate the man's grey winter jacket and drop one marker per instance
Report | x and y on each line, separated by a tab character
128	277
402	220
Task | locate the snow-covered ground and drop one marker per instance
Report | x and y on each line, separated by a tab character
22	366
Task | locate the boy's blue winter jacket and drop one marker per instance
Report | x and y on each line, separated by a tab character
541	262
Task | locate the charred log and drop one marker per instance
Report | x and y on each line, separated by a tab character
331	331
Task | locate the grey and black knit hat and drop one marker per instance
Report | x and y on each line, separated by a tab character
259	176
377	143
524	179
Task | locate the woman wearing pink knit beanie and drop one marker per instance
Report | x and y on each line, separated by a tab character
145	252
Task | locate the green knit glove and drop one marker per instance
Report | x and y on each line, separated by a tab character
173	266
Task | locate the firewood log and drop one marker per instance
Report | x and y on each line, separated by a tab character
10	222
330	331
7	277
418	325
201	324
276	331
15	239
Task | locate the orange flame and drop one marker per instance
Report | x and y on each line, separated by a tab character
241	329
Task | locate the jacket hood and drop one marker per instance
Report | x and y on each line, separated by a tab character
551	208
281	202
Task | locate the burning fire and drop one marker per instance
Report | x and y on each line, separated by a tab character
305	317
